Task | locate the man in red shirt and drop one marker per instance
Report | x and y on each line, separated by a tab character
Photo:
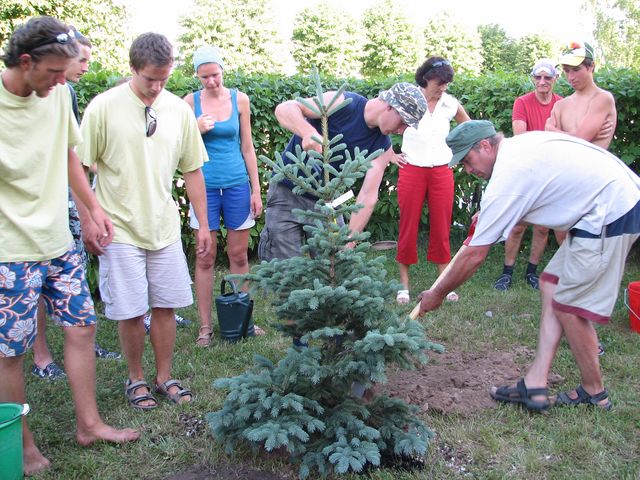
530	112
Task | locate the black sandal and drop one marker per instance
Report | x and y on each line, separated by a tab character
523	395
563	398
503	283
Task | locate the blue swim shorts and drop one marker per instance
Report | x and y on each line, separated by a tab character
233	204
62	284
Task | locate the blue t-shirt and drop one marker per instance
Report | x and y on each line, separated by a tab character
351	124
226	167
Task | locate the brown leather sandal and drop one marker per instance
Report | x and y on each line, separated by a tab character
176	397
135	399
204	336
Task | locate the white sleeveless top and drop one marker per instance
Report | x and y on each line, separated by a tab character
426	146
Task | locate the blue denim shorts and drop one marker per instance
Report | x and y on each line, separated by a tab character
62	284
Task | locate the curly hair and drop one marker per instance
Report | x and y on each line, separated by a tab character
437	68
150	48
37	38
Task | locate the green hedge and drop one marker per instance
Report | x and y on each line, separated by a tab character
490	97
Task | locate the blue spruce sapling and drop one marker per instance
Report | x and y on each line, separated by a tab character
338	300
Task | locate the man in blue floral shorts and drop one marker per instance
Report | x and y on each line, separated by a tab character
37	257
43	364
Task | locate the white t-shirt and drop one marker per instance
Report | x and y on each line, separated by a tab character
556	181
426	146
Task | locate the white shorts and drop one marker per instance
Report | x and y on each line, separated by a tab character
588	272
133	279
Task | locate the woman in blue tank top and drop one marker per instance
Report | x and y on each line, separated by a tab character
231	175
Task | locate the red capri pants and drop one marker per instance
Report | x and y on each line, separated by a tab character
415	185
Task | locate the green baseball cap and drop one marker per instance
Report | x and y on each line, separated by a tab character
466	135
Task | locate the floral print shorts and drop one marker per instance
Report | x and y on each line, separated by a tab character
62	284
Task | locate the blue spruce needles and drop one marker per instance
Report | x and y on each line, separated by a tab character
314	403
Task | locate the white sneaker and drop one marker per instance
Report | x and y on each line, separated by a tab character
452	297
403	297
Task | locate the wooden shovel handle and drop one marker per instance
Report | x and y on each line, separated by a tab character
414	313
472	228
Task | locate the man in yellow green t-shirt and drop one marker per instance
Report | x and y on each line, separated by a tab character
138	134
37	257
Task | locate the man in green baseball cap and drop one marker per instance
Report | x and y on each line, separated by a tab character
465	136
565	183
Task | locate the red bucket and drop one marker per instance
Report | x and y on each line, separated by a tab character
632	302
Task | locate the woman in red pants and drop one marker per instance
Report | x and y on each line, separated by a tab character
426	176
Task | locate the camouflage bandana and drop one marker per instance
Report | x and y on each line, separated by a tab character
408	101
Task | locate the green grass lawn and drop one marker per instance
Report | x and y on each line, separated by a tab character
505	442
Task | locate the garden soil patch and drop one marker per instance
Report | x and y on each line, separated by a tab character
457	382
225	471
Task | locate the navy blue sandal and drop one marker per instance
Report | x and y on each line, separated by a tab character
563	398
523	395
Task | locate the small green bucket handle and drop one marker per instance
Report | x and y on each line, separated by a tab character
25	409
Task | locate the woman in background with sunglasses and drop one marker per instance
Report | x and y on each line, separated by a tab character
231	175
426	175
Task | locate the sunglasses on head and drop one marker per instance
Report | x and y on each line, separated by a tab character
61	38
151	120
439	63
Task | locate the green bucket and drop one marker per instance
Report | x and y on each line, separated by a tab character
11	439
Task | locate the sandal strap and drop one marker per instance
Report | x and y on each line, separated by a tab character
526	392
598	397
170	383
141	398
583	395
182	391
131	387
163	389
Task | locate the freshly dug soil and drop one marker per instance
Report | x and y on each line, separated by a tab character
458	382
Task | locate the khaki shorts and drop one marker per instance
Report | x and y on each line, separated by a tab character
133	279
588	272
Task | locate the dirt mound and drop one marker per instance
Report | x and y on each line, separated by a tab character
456	381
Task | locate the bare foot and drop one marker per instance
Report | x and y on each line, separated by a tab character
33	461
105	433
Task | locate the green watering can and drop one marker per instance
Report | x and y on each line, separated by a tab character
234	311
